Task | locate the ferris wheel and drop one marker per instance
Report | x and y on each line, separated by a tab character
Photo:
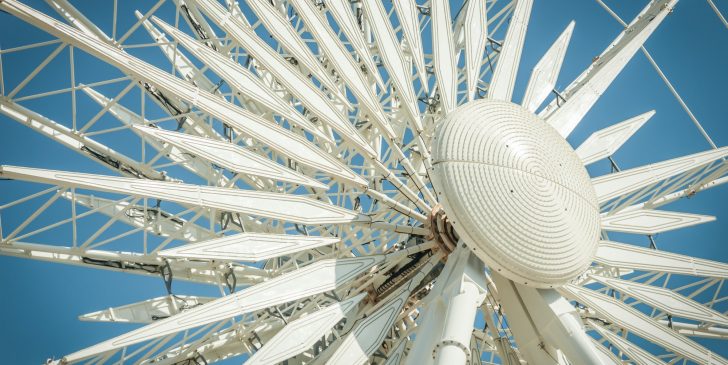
357	181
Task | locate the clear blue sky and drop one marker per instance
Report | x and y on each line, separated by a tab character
40	301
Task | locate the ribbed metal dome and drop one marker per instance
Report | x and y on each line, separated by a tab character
516	192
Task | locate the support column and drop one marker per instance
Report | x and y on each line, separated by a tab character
444	334
544	324
454	347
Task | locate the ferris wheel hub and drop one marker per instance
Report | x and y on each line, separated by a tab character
516	192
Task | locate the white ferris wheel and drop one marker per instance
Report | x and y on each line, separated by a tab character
355	179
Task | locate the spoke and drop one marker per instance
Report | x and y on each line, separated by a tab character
153	219
199	272
393	59
341	12
292	208
613	185
665	300
643	326
504	77
665	80
302	333
476	35
313	279
346	67
443	54
192	163
290	40
368	334
181	63
584	92
230	156
250	247
604	143
244	81
407	13
546	72
285	74
77	19
651	221
397	355
274	136
88	147
146	311
717	12
202	29
620	255
632	351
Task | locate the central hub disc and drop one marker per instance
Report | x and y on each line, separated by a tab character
516	193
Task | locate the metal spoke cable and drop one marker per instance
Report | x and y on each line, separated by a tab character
664	79
717	12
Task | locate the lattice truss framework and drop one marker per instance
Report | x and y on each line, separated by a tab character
282	153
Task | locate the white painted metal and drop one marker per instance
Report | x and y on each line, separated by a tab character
443	54
531	347
346	67
246	122
162	224
230	156
697	330
475	28
504	76
368	335
341	11
316	278
407	13
546	72
301	162
146	311
242	79
195	20
397	355
200	272
66	137
624	182
633	351
127	117
456	295
543	315
75	17
604	143
459	292
651	221
291	41
284	72
392	57
287	207
665	300
537	189
302	333
248	247
620	255
634	321
606	355
589	86
182	64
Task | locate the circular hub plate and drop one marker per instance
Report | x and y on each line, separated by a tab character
516	193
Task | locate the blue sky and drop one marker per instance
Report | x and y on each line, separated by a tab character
41	301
